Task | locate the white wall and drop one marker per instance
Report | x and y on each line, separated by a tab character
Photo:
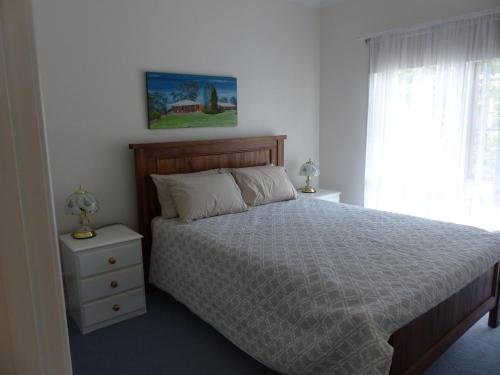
344	78
92	57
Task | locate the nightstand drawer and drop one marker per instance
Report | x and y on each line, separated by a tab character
109	259
113	307
111	283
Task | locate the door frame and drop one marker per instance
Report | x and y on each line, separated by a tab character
31	289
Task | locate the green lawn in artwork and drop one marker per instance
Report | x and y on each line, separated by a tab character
195	120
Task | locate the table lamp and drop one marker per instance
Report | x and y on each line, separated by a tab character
309	169
81	203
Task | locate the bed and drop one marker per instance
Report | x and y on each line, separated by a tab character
416	321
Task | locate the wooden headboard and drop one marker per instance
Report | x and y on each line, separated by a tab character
193	156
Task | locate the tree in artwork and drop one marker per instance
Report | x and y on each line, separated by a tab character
185	91
214	100
157	105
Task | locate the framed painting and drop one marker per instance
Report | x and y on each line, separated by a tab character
190	101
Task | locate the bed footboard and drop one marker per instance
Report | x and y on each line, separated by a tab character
494	318
424	339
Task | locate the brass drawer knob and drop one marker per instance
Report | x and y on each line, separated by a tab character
112	260
114	284
116	307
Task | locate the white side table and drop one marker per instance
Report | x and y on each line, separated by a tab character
323	194
103	277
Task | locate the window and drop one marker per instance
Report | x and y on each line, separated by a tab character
485	123
483	168
433	144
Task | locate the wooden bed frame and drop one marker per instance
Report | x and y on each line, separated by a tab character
416	345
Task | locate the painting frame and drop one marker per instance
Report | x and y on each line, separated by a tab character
181	100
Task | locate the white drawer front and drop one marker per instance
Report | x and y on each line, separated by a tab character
108	308
111	283
331	198
109	259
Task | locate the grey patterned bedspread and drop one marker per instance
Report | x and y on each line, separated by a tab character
313	287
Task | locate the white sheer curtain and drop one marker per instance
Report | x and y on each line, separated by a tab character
433	142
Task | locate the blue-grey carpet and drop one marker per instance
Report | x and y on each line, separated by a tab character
171	340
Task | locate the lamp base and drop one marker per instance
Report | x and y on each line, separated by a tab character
83	235
309	189
84	231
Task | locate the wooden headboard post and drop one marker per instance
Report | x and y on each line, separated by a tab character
193	156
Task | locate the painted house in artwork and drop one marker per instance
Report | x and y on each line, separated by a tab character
187	106
227	106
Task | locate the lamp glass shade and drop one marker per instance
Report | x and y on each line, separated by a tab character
81	203
309	169
80	200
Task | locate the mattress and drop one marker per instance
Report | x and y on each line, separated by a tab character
314	287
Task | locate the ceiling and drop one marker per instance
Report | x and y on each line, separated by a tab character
319	3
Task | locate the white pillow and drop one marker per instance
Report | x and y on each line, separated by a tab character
202	196
168	209
262	185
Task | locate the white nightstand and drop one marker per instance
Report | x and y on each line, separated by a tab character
324	194
103	277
